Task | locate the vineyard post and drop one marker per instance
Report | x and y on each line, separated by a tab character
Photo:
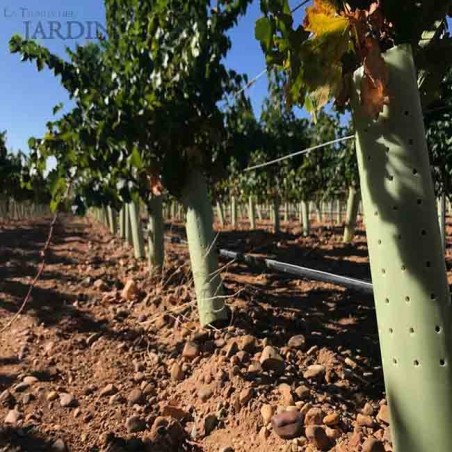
407	263
202	248
442	218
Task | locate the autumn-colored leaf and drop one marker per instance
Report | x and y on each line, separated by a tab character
155	184
322	18
374	85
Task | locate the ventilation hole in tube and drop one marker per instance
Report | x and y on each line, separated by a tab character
419	201
438	329
399	236
387	300
411	330
432	296
403	267
416	363
423	232
407	299
395	208
406	112
391	178
387	149
411	141
376	213
369	158
395	361
442	362
428	264
391	330
414	171
383	271
379	242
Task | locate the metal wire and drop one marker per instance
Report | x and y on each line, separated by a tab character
304	151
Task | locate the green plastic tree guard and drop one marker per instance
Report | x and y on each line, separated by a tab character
112	220
122	223
252	212
203	253
305	218
275	216
220	214
352	214
136	230
442	218
411	293
156	239
234	211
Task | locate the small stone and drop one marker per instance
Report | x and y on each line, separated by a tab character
21	387
317	436
130	290
30	380
297	342
226	449
272	360
190	351
333	433
68	400
383	414
373	445
52	395
331	419
254	369
350	363
177	373
247	343
135	397
135	424
159	426
267	412
368	409
242	356
364	421
245	396
314	416
314	371
210	423
205	393
302	392
13	417
108	390
100	284
288	424
175	412
59	446
286	394
232	349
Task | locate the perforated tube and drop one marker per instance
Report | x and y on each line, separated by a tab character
408	270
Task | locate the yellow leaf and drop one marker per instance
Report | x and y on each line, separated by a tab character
322	18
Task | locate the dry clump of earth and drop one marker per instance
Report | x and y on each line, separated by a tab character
108	358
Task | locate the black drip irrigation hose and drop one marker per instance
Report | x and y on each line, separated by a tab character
290	269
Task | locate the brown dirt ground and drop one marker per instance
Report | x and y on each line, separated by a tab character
77	335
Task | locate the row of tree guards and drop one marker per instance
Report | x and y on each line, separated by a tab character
12	209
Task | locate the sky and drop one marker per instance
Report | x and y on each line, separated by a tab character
28	96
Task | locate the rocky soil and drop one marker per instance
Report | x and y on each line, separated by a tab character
107	358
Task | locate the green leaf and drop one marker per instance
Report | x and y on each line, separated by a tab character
263	32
